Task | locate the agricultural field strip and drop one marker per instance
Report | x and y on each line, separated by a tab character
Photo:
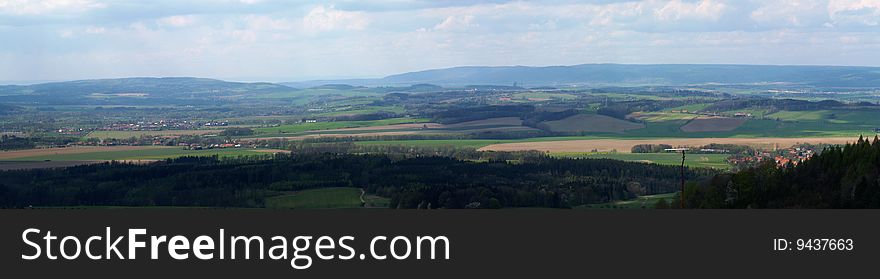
625	145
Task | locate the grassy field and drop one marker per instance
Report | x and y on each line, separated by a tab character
638	203
143	154
800	115
717	161
318	198
285	130
657	116
691	108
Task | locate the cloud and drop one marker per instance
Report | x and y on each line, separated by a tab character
790	13
176	21
456	23
860	12
677	10
40	7
96	30
328	18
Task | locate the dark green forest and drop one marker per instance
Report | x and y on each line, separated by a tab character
419	182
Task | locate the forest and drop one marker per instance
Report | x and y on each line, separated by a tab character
414	182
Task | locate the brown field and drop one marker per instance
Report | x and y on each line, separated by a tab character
624	145
592	123
713	124
6	155
499	121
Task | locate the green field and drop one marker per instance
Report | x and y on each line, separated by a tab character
364	110
717	161
800	115
318	198
638	203
144	154
304	127
692	107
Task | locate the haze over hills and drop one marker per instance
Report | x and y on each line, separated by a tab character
136	90
164	90
624	74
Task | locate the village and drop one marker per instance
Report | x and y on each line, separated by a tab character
785	157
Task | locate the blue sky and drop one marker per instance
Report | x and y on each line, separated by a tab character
297	40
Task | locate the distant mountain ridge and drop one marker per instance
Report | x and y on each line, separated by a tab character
137	90
162	86
628	74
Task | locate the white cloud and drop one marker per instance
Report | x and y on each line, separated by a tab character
328	18
676	10
96	30
790	13
261	22
456	23
864	12
176	21
40	7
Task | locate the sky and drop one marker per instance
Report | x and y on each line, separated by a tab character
300	40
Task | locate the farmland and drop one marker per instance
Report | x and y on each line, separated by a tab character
304	127
718	161
623	146
592	123
712	124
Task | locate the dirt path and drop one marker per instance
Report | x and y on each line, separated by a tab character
625	145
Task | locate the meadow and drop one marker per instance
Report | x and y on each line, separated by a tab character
286	130
716	161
